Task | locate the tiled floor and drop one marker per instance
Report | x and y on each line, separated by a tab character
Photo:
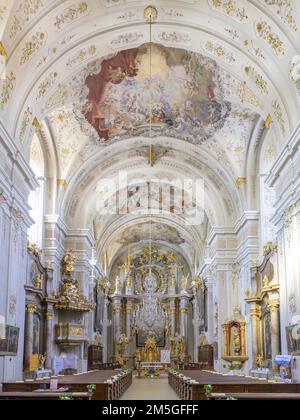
150	389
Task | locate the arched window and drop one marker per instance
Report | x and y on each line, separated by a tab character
36	198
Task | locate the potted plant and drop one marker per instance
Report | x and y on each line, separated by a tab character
208	389
91	388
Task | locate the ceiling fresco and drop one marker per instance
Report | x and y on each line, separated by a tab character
158	232
184	95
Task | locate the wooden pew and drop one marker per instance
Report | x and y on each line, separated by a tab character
43	396
250	396
191	385
106	388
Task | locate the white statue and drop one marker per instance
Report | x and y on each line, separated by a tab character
184	283
118	285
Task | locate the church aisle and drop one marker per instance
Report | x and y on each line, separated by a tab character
150	389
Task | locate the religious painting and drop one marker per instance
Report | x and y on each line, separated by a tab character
267	336
37	334
293	339
9	343
183	97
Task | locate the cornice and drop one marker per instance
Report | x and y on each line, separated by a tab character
285	157
17	158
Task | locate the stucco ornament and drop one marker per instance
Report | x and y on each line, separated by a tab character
295	71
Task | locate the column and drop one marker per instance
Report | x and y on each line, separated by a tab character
48	339
184	304
173	317
196	324
274	308
129	308
255	320
117	308
210	311
30	310
172	282
105	330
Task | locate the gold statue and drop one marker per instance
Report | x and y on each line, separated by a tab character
172	257
38	282
42	361
236	341
68	263
260	361
266	281
151	352
173	344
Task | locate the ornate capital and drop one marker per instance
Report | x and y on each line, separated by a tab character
116	309
255	314
184	310
30	309
49	316
274	306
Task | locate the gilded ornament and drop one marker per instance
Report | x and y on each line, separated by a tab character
269	121
265	31
151	14
240	182
6	89
3	52
68	263
31	47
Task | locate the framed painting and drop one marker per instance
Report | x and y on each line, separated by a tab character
293	339
9	343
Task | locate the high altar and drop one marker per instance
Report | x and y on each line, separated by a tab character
151	303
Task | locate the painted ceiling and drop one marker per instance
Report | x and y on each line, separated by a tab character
183	96
75	74
158	232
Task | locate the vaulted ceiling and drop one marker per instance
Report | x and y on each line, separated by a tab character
76	73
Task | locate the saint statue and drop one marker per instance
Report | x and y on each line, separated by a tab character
118	285
236	341
184	283
68	263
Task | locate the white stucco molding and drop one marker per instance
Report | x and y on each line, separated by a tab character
285	158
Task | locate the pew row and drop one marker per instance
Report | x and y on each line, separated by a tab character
254	397
190	385
51	396
110	385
